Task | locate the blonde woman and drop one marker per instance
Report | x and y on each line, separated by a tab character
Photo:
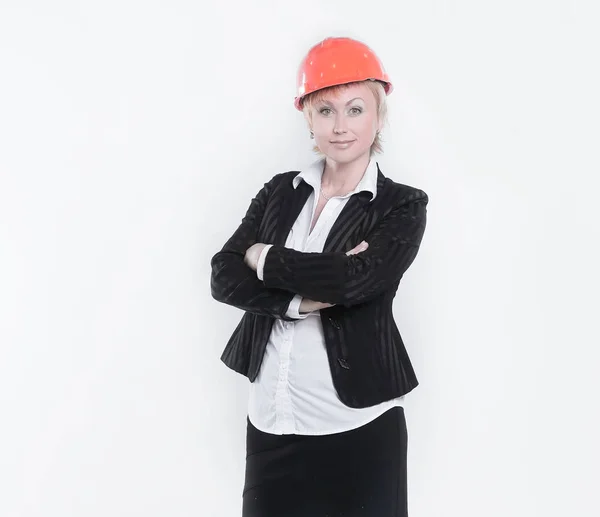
315	265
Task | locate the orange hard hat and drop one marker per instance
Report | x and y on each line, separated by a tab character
336	61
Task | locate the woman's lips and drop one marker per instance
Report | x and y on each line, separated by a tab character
343	145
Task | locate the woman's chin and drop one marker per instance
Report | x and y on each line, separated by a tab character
343	155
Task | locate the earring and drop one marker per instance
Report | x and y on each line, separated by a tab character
312	135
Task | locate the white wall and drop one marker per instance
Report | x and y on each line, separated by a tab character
133	136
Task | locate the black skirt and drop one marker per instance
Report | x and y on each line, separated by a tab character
356	473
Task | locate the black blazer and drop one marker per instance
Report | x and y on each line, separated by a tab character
367	358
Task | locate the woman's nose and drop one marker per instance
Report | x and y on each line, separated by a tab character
340	125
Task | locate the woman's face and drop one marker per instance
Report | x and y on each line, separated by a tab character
346	125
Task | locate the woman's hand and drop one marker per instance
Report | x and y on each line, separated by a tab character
307	305
361	247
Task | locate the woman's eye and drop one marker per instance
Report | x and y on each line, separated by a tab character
355	111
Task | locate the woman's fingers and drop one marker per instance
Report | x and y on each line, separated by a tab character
361	247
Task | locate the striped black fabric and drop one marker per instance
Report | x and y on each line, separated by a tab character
367	357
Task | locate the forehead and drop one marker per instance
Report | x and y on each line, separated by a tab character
341	95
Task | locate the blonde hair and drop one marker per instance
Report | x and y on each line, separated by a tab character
376	88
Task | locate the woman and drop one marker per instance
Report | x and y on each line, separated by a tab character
315	265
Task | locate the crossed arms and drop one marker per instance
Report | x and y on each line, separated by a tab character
331	277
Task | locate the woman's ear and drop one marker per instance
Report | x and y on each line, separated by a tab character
310	129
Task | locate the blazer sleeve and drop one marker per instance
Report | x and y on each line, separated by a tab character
334	277
233	282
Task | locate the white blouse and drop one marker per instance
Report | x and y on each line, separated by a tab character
294	391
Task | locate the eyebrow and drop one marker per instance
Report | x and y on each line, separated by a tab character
350	101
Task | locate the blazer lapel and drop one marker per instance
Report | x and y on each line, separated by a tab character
350	217
353	214
291	203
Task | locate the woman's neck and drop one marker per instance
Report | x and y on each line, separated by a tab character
344	176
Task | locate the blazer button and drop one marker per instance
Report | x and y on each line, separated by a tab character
343	363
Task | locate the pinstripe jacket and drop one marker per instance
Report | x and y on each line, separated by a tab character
367	357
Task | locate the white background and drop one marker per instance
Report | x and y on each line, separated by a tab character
133	136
